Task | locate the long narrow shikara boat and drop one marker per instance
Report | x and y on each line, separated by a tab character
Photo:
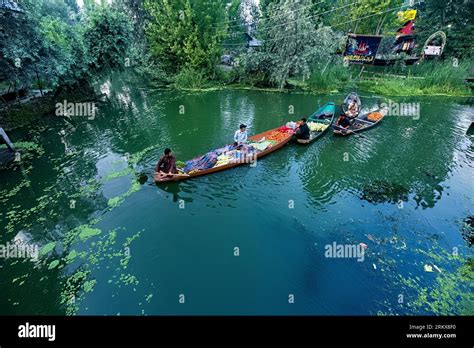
284	137
322	119
362	122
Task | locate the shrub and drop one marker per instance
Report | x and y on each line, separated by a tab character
334	77
189	78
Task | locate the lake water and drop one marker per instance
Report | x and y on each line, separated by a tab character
248	240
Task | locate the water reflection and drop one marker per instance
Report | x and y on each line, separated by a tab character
416	154
281	213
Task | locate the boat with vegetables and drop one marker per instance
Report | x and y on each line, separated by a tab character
362	123
231	156
320	122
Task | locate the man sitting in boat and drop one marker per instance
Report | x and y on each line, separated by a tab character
240	136
352	109
302	132
343	122
166	165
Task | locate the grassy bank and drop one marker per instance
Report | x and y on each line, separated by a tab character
427	78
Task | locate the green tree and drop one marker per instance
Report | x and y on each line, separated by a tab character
293	41
366	16
184	33
37	47
49	45
106	38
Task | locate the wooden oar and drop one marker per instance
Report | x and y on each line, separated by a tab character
350	131
153	174
172	175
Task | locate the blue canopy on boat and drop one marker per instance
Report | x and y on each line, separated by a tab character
327	110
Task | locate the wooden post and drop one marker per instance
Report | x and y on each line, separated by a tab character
329	61
39	82
7	139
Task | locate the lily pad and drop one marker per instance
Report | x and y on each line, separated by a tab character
53	264
89	285
88	232
47	248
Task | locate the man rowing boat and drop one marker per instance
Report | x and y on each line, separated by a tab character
166	165
342	123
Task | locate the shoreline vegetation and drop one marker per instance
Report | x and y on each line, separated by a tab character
430	79
248	45
24	114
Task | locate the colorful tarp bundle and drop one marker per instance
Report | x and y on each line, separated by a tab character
200	163
245	153
206	161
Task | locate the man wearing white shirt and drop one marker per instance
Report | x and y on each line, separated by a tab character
240	136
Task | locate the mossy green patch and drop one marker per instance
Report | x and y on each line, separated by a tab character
115	201
88	232
89	285
53	264
46	249
119	174
71	256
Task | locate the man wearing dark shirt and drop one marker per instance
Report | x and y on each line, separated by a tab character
343	122
167	164
303	130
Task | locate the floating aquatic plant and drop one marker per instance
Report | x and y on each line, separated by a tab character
381	191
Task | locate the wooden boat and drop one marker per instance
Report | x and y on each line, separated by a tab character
325	115
470	130
351	97
254	138
361	123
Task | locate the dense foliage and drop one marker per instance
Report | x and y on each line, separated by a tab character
186	36
56	43
52	44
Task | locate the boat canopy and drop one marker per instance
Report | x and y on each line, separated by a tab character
326	110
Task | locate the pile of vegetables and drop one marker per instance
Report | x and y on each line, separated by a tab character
277	136
317	127
374	116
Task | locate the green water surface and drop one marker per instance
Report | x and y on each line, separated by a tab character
250	240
